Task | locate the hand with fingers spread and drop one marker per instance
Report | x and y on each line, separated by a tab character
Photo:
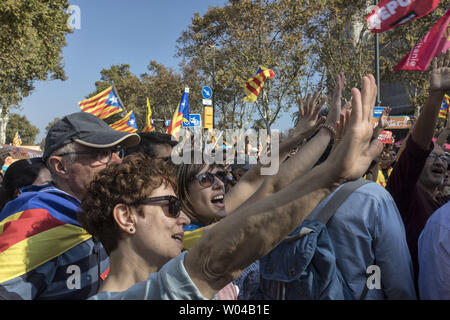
308	112
440	73
340	126
336	103
383	122
353	155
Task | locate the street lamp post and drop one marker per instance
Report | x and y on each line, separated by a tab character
377	65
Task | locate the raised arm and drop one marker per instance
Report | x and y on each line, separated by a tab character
439	83
308	155
252	180
236	241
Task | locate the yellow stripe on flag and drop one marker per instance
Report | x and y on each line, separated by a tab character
36	250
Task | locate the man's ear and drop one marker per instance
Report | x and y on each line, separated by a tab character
57	165
125	218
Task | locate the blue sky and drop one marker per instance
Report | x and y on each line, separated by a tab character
114	32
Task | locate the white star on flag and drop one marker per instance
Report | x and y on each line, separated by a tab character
112	100
132	122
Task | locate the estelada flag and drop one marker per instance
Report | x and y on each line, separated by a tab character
148	120
389	14
17	141
254	85
103	105
181	114
443	112
437	40
29	237
126	124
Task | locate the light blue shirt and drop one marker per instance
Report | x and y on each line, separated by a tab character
434	256
367	230
172	282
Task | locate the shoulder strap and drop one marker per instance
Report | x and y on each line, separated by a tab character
336	200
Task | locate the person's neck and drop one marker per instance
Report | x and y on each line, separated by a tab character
431	190
77	194
126	269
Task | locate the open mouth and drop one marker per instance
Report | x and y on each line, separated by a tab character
218	201
179	239
437	170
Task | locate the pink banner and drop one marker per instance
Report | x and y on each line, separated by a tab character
437	40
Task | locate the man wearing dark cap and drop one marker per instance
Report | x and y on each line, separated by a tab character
44	252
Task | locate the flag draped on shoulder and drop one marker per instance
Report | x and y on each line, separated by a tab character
437	40
126	124
17	141
30	237
253	86
389	14
443	113
103	105
181	114
148	120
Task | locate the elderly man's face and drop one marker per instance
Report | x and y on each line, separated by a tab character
435	168
84	168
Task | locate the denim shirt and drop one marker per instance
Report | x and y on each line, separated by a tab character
367	235
367	230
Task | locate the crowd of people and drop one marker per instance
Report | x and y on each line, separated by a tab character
106	214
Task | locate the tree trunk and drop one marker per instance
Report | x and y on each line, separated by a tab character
4	118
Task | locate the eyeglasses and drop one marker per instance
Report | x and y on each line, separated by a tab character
206	179
174	204
104	156
434	156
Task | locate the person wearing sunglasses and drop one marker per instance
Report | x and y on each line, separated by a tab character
145	242
138	218
40	226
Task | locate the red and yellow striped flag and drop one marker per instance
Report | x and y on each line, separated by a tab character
126	124
253	86
181	114
443	112
103	105
148	120
17	141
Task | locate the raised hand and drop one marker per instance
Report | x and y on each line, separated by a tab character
440	73
335	106
353	155
308	112
384	118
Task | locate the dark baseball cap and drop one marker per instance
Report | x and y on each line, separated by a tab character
88	130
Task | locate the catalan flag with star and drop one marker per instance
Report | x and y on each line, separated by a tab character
443	113
17	141
126	124
181	114
148	120
254	85
104	104
33	232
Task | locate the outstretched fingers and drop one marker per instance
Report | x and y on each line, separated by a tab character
368	96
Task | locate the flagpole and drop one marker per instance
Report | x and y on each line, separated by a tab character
377	65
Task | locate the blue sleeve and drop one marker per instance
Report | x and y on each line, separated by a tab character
391	251
434	256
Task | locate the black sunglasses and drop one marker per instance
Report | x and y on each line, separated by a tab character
206	179
174	204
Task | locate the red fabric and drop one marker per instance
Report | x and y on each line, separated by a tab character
435	41
31	222
392	13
